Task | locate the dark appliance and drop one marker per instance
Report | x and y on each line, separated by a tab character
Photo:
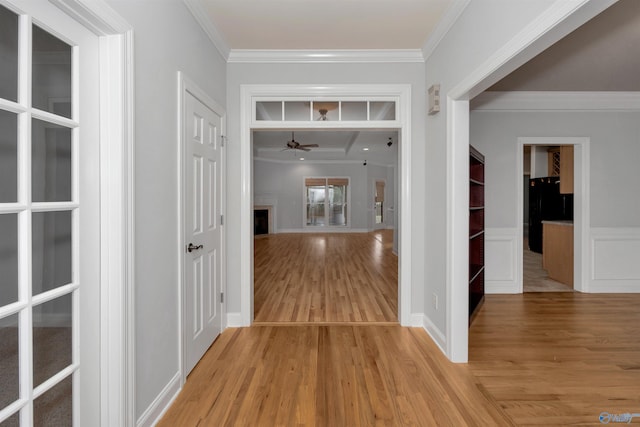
546	203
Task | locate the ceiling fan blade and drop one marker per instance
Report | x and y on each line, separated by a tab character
309	145
303	148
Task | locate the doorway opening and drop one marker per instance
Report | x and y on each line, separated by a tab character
547	250
353	107
566	221
329	261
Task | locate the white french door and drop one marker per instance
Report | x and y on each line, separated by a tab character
49	218
202	219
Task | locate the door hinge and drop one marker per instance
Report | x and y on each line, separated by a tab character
221	297
222	140
221	219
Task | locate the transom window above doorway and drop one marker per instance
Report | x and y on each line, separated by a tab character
322	110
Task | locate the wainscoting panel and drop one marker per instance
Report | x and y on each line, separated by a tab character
615	255
501	261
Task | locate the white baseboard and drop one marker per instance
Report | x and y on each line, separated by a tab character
417	320
434	332
234	320
161	404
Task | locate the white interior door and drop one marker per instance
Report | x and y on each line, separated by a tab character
379	220
49	218
202	219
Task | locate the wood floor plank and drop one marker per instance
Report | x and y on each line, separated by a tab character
328	376
330	277
537	359
559	358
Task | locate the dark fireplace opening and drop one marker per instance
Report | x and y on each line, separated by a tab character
260	221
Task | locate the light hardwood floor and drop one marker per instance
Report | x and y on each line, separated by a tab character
329	376
535	278
547	359
329	277
559	358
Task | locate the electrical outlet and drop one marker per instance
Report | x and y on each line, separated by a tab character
435	301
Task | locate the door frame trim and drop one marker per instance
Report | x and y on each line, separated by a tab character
117	197
581	261
554	23
186	85
248	93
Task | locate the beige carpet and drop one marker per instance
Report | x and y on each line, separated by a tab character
52	353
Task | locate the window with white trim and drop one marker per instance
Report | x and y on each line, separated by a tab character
326	201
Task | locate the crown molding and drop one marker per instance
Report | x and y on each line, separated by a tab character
276	56
556	101
449	17
197	9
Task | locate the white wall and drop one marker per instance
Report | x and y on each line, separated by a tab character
614	173
539	161
481	30
379	73
167	40
284	182
281	183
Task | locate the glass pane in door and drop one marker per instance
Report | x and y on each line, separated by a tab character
50	162
8	54
315	205
51	237
51	338
54	407
8	259
9	391
8	156
337	205
51	89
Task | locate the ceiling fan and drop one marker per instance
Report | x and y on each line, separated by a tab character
295	145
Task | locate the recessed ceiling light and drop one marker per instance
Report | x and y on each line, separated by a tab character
301	158
365	149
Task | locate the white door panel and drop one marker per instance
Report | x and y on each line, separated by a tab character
202	231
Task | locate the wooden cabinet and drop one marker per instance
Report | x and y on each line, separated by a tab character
557	250
476	231
566	169
560	164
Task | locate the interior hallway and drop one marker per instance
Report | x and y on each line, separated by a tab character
326	277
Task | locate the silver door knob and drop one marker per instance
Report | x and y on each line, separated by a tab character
191	247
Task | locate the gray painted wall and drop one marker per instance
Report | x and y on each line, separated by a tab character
615	152
482	29
167	40
405	73
284	183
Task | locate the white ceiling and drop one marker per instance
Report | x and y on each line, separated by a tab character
325	24
337	146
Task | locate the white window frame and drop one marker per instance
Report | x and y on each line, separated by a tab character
327	227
